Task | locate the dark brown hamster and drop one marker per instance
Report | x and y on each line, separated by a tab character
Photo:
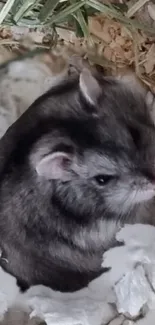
78	164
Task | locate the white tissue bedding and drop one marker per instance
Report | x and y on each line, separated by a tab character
124	295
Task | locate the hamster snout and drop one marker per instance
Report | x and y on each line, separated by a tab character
77	165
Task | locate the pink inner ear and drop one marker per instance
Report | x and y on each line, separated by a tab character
55	166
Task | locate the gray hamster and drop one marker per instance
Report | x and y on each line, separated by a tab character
77	165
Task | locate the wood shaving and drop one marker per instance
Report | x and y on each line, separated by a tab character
117	48
143	15
151	10
149	65
135	7
111	45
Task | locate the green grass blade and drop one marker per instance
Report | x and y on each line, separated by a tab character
108	10
30	23
82	23
120	6
17	4
47	9
61	16
27	5
5	10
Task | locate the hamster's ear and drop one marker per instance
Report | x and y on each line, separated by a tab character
55	165
89	86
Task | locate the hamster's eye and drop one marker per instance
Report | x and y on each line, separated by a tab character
103	179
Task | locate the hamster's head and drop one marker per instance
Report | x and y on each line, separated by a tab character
87	150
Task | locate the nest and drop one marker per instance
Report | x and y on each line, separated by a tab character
110	44
116	48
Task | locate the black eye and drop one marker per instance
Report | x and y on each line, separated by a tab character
103	179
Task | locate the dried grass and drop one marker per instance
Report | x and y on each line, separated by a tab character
103	34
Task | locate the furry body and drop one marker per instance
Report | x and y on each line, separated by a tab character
57	217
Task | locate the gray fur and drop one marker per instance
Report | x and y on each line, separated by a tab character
53	229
